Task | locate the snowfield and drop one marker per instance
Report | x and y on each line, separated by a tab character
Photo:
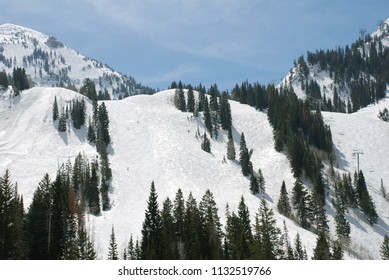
153	141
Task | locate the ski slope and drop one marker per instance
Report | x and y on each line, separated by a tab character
153	141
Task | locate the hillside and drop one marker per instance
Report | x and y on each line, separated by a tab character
344	78
153	141
49	62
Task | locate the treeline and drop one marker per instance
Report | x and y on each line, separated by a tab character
191	230
53	227
18	80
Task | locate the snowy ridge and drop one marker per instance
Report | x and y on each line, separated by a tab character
153	141
50	63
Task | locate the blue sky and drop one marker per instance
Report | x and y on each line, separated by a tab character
219	41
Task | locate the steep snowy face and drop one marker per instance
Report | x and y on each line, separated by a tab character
49	62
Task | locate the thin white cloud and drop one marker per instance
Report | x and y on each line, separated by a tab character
174	74
218	29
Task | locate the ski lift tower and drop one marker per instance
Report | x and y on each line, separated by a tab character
357	153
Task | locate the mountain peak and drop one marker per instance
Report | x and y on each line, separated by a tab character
50	63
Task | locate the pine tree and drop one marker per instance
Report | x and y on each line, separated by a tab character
244	157
181	100
288	253
207	117
261	182
62	123
244	217
283	205
301	203
179	222
113	248
341	224
39	221
89	89
364	199
3	80
55	109
193	230
91	132
169	245
214	93
152	228
206	143
212	247
190	107
299	252
231	155
268	233
384	249
322	249
10	219
254	185
336	251
225	113
103	125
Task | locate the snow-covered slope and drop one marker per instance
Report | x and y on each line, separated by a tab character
153	141
50	63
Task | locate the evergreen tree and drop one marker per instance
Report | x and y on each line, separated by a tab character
55	109
103	124
152	228
283	205
207	116
261	182
254	185
214	93
92	191
131	254
91	132
212	247
267	232
169	246
336	251
39	221
244	217
190	107
230	147
181	100
364	199
62	123
179	222
244	157
78	113
11	215
3	80
234	240
341	224
89	89
113	248
299	252
20	80
288	253
322	249
225	113
384	249
206	144
301	203
193	230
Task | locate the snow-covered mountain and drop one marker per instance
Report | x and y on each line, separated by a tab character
306	71
49	62
153	141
